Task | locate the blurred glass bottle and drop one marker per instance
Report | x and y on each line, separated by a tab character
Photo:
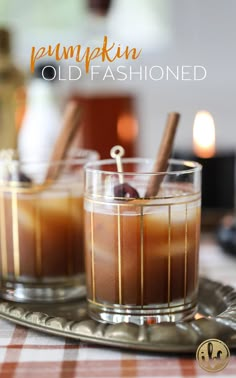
108	109
11	94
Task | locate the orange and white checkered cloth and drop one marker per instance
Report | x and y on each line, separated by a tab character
25	353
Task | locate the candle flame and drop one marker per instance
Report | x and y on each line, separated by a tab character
204	135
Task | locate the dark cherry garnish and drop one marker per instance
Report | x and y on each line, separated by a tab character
125	190
20	177
24	178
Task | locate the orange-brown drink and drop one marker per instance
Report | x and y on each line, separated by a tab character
41	230
142	253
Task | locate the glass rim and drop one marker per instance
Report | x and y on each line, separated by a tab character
86	156
191	167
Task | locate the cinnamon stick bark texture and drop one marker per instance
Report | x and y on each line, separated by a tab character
164	153
69	129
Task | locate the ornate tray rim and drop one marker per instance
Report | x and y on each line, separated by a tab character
182	337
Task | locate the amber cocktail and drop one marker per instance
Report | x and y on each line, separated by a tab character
41	231
142	253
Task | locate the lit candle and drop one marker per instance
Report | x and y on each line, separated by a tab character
218	175
204	135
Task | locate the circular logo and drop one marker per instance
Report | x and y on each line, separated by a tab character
213	355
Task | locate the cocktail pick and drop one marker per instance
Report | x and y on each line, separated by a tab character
117	152
123	189
10	169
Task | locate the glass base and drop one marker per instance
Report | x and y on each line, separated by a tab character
137	315
44	291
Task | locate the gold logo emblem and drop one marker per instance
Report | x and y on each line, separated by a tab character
213	355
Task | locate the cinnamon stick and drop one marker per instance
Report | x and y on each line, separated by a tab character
70	126
163	156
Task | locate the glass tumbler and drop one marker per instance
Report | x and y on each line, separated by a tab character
41	229
142	252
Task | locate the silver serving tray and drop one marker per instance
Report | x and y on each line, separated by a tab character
216	319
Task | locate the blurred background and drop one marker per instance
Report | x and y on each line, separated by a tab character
183	32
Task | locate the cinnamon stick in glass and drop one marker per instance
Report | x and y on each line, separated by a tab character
164	153
70	127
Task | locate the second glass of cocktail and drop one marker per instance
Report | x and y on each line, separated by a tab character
41	229
142	251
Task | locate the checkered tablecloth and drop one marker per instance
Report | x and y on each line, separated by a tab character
25	353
